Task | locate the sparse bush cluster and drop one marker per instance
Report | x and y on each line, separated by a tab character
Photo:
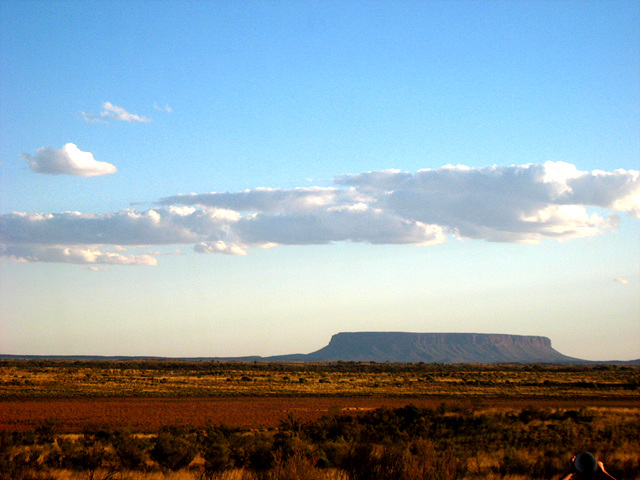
182	378
449	442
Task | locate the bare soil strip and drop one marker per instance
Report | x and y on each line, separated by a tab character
149	414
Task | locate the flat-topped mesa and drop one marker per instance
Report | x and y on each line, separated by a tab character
474	339
439	347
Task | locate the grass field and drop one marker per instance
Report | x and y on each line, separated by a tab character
352	421
154	378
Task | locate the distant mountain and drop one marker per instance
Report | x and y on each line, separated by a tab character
436	347
403	347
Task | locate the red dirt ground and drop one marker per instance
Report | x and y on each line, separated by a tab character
149	414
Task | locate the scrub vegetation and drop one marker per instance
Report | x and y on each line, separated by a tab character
163	378
479	421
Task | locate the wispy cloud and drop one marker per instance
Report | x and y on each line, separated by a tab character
95	269
115	113
166	108
524	203
69	160
80	255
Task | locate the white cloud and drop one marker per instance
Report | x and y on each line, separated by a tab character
114	112
95	269
621	280
72	237
515	204
524	203
166	108
126	227
69	160
336	225
270	200
618	190
80	255
219	247
567	221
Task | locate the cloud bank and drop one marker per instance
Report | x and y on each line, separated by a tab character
515	204
116	113
69	160
81	255
522	203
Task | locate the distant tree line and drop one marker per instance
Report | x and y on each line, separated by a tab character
214	366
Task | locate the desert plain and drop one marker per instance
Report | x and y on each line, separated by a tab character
518	415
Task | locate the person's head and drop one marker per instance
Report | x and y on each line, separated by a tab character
586	465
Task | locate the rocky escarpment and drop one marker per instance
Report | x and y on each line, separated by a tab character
438	347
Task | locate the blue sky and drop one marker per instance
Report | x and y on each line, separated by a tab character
203	178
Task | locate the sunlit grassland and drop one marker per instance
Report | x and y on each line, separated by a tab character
71	420
170	378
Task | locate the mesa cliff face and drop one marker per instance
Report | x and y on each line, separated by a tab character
438	347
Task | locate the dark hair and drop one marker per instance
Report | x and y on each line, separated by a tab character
586	465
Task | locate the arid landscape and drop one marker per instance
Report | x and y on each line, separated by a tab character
318	240
352	420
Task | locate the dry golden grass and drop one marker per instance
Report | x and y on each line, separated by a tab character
238	474
147	395
157	378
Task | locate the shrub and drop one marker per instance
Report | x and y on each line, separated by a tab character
82	455
549	465
98	433
9	469
215	448
217	459
335	453
131	451
370	462
417	461
513	463
258	455
172	451
296	467
428	463
45	431
322	463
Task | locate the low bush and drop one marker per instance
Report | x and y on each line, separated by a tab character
172	451
82	454
217	459
383	444
132	452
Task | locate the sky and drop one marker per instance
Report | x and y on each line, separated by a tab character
210	178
